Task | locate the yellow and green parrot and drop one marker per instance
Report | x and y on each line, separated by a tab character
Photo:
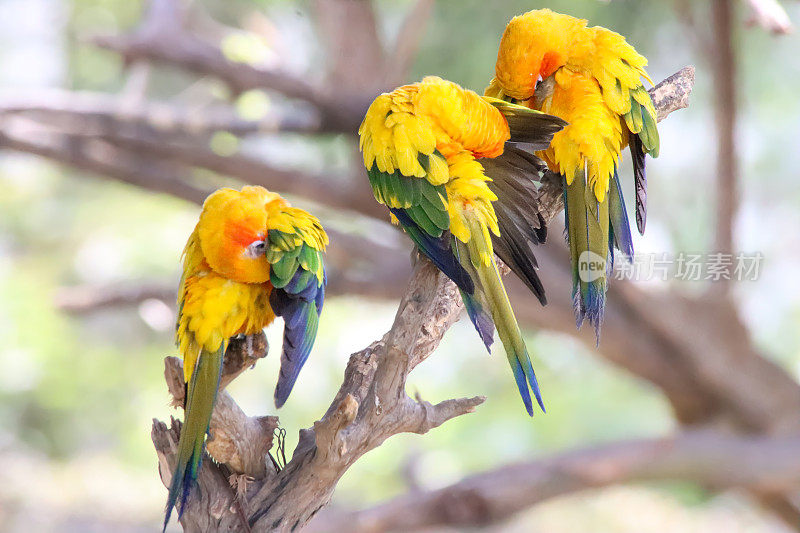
436	157
592	78
250	258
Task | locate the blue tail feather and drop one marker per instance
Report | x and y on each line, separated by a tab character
183	480
618	215
481	319
593	304
522	385
534	383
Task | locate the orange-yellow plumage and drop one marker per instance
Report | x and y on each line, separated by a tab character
451	126
593	139
592	78
422	145
250	257
597	76
224	292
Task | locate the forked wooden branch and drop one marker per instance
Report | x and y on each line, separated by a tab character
371	404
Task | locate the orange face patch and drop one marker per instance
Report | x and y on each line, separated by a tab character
240	233
551	62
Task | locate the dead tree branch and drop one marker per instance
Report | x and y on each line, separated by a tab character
237	440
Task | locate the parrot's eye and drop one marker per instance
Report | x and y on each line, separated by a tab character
256	249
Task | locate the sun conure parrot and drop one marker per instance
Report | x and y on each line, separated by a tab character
590	77
250	258
423	145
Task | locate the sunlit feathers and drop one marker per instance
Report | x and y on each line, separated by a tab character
422	145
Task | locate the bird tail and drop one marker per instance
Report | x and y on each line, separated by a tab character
201	394
588	233
491	290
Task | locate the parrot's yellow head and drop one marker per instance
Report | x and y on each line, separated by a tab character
533	47
233	231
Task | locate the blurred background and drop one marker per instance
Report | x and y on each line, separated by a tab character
118	116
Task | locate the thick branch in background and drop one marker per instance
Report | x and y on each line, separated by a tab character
161	38
723	63
407	43
101	113
708	458
105	160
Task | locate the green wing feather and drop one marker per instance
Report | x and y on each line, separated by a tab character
421	209
423	202
641	121
297	275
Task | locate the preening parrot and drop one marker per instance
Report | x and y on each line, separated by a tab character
435	156
250	258
590	77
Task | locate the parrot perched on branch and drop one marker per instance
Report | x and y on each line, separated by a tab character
250	258
424	146
590	77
